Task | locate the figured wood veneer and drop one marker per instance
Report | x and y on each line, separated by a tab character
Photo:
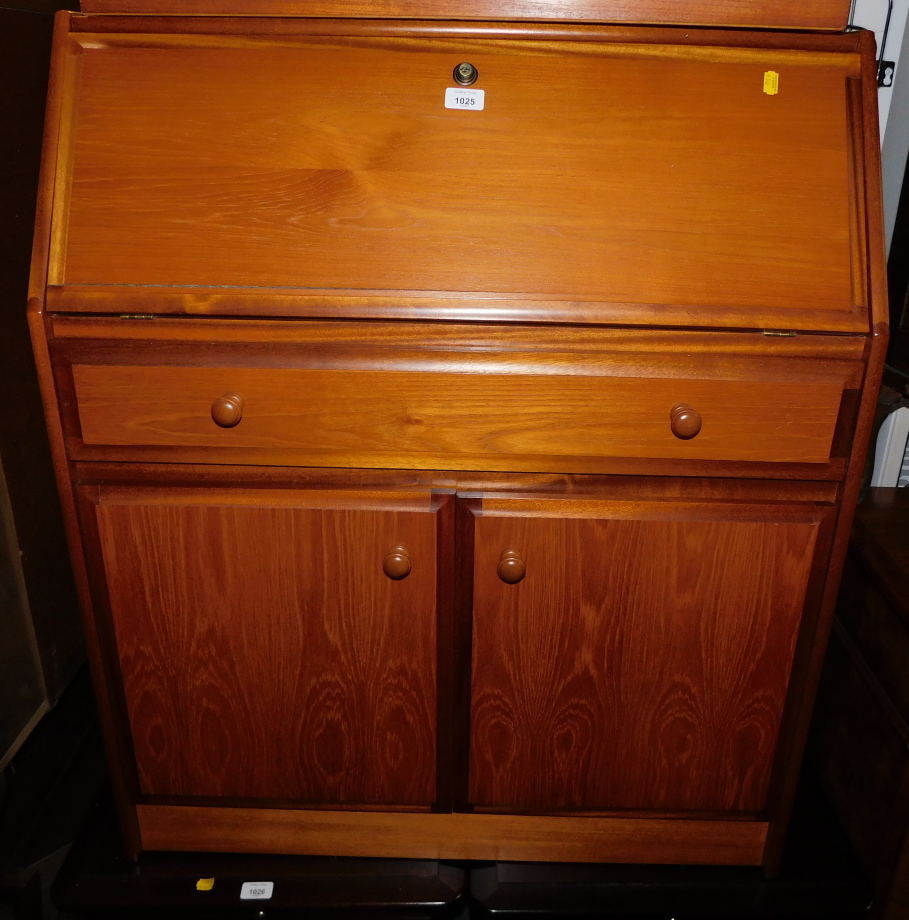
264	651
643	661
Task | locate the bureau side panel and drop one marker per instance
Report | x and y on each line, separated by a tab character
54	166
863	95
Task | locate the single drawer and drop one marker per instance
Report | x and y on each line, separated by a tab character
456	397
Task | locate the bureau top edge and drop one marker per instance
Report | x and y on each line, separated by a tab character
819	15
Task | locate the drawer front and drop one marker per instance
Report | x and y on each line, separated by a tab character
390	414
457	398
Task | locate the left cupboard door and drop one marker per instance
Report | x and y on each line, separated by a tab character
274	644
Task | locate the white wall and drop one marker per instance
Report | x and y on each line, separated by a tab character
893	101
872	14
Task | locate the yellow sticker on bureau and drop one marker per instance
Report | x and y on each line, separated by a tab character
205	884
771	83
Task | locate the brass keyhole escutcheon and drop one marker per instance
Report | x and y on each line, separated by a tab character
466	74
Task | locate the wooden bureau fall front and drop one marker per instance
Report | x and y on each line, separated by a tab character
455	479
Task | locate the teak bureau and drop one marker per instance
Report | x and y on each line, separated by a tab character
459	482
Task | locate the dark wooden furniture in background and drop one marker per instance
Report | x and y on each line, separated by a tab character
396	532
861	735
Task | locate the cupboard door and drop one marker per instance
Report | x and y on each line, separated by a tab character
642	661
264	650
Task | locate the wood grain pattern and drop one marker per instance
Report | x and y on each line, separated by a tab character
825	351
60	82
459	308
271	172
644	660
127	28
380	416
691	489
448	657
264	652
454	836
56	131
864	127
807	14
416	464
102	662
341	184
399	395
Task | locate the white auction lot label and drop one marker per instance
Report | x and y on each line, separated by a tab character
256	891
472	100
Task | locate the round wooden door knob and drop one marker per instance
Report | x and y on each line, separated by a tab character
511	567
685	422
396	565
227	411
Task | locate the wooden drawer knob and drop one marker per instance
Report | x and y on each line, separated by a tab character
511	567
396	564
227	411
685	421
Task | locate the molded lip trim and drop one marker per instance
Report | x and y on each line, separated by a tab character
819	15
473	307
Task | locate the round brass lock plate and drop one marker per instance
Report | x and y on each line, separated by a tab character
465	74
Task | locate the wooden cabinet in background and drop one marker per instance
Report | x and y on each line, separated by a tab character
458	484
860	739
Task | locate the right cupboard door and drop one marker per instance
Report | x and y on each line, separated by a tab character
642	661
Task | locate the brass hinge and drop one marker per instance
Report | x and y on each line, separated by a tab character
782	332
137	316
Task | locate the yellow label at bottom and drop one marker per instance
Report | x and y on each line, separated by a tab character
771	83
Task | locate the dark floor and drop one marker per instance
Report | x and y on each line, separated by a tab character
59	842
